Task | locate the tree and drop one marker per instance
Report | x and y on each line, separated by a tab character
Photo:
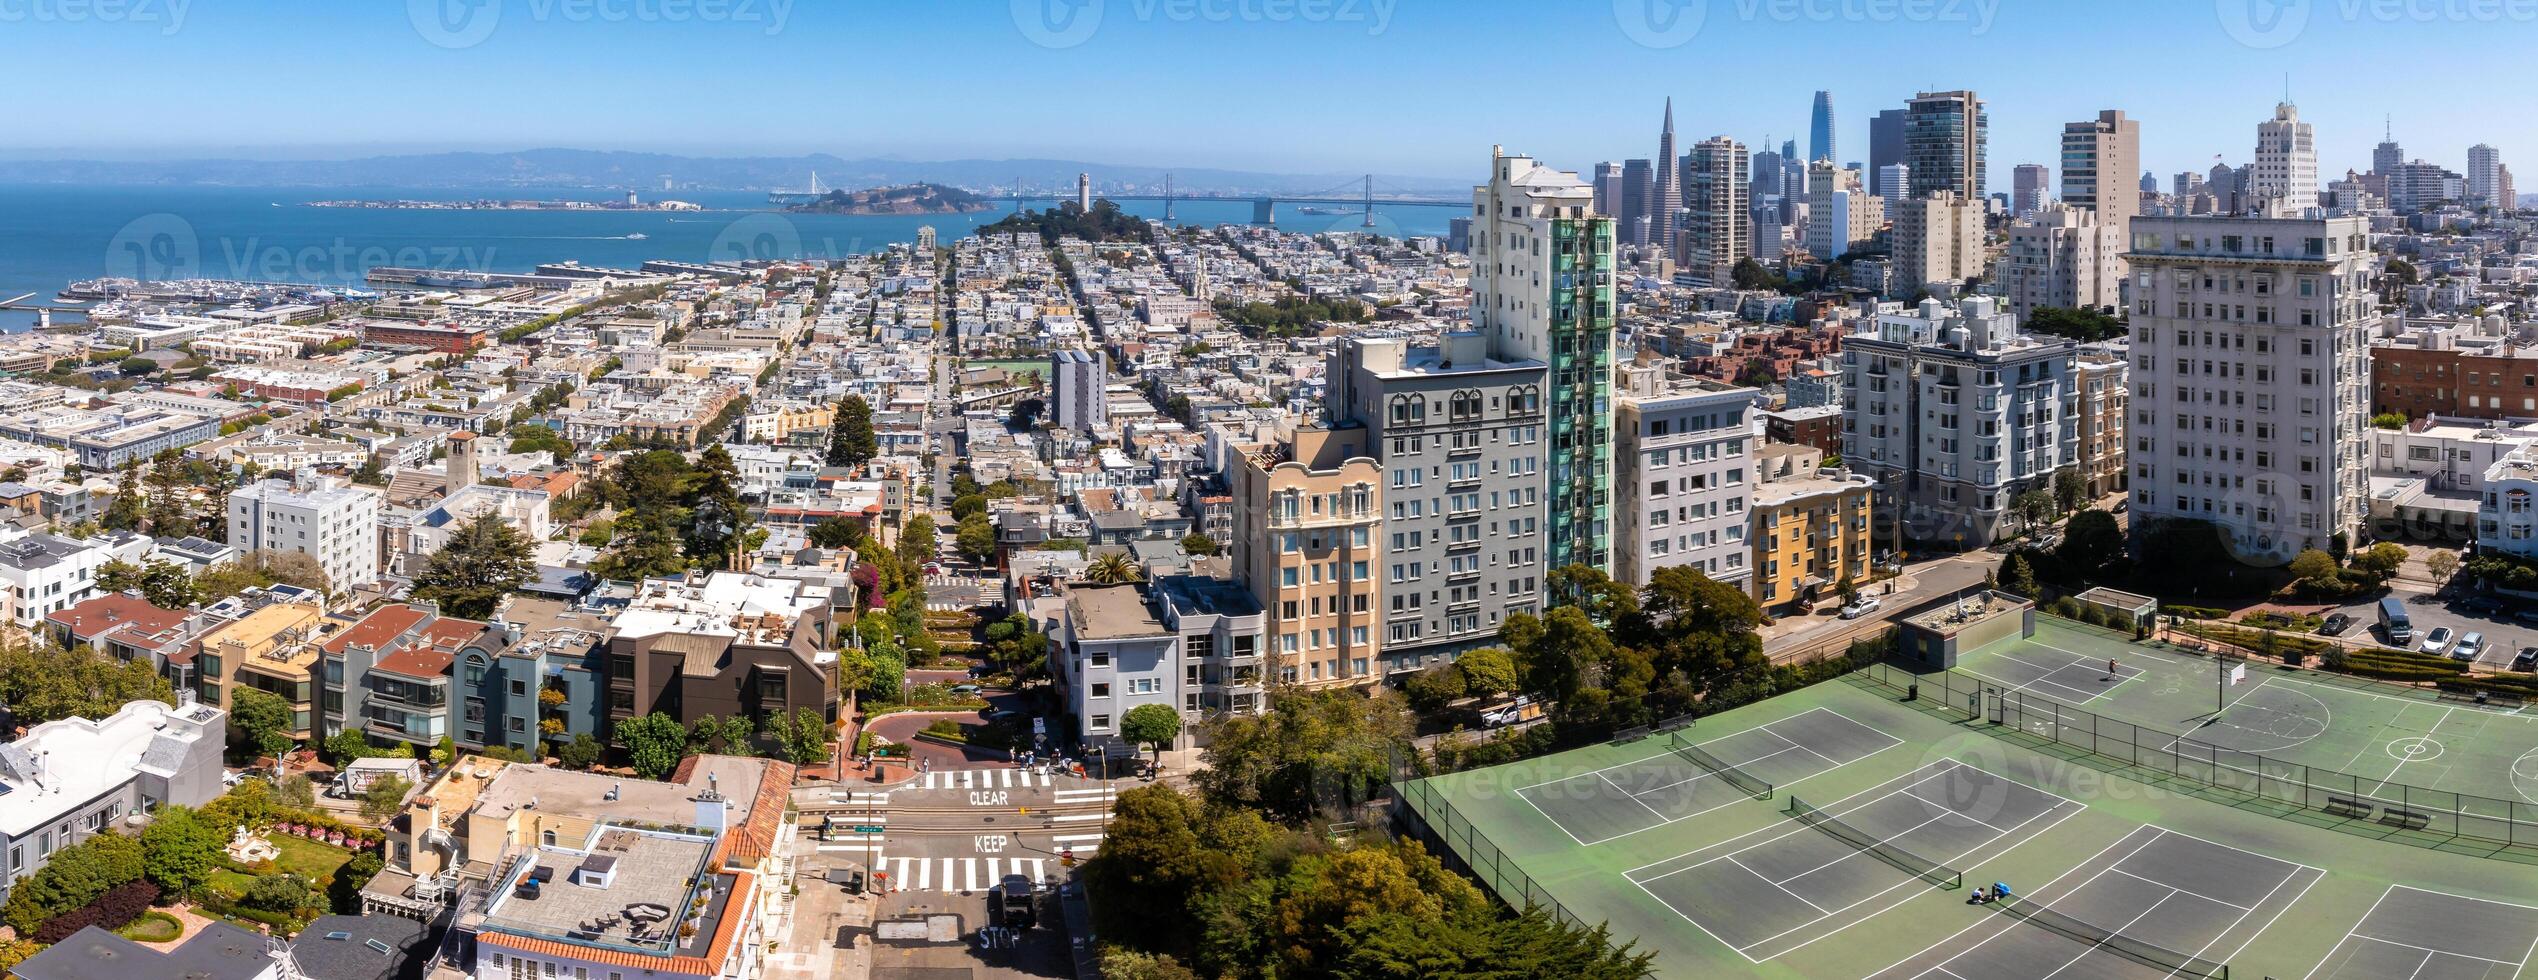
2018	578
2087	326
851	441
654	743
2382	559
384	795
1433	688
72	877
344	892
804	737
2313	565
1112	568
1311	751
967	505
163	583
976	538
836	533
718	522
41	682
1026	413
1487	671
1847	589
284	893
2091	542
1750	274
1200	544
641	545
180	848
2070	490
485	561
264	719
737	734
536	438
916	541
581	753
297	791
2033	506
1152	725
2442	565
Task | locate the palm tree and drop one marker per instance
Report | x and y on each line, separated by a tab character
1113	568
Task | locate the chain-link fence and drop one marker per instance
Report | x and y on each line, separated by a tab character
1462	846
2398	806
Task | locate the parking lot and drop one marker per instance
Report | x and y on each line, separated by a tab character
2496	617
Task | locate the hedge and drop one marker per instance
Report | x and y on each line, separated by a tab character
2195	612
112	910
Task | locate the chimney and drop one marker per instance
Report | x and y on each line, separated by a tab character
462	460
711	809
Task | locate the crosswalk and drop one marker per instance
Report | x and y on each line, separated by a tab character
984	779
967	874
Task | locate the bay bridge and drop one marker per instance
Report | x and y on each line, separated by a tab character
1264	207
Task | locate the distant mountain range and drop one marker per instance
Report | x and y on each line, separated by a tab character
644	171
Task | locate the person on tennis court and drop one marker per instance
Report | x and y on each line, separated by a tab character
2110	668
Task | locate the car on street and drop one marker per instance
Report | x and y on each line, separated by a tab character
966	689
2471	646
1011	900
2527	661
993	713
1859	607
2336	625
2437	642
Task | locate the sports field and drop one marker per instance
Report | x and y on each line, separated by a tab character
1839	831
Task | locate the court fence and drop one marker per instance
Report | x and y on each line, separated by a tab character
2353	798
1462	847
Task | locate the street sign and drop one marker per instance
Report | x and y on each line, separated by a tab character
1039	726
867	828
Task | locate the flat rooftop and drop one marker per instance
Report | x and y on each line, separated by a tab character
1111	612
626	888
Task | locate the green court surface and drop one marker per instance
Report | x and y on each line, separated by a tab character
1860	823
2301	734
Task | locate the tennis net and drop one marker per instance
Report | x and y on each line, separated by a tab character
1873	846
1738	778
2176	963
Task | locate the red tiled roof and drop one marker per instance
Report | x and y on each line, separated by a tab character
375	630
417	662
107	612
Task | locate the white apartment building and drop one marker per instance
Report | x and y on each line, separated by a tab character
2283	182
2507	510
2484	176
1954	413
1684	475
1938	239
2428	478
2062	257
1080	399
41	574
2251	377
327	518
68	780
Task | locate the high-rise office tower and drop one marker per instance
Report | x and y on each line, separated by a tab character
1820	129
2283	182
1608	183
1639	185
1885	149
2027	188
2149	184
2387	155
1944	133
1767	173
2097	156
1894	184
1719	228
2485	165
2252	413
1668	200
1542	290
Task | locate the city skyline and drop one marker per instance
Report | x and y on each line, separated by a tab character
1347	73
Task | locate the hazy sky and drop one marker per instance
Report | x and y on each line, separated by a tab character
1395	86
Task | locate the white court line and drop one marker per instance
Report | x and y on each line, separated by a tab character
1793	744
1907	780
2074	890
2269	923
1667	752
1891	742
2296	869
1705	774
1985	824
2075	809
2039	890
2196	894
2401	763
1634	797
1784	889
2356	931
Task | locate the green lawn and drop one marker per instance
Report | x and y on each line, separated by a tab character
308	858
152	927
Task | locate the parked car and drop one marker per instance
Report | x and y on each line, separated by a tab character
2471	646
1861	606
2484	604
2529	616
2437	642
2336	625
2527	661
993	713
966	689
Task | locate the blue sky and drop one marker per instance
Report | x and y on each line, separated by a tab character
1394	86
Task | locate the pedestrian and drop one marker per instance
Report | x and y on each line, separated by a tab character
2110	668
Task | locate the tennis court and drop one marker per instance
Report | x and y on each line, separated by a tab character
2379	743
1778	889
2429	935
2156	903
1664	785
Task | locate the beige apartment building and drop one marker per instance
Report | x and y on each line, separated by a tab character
1308	516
